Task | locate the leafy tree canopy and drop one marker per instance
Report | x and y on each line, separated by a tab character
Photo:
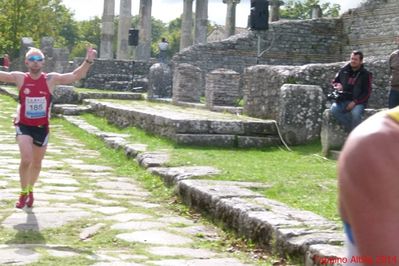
302	9
35	19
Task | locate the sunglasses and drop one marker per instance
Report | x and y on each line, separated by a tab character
36	58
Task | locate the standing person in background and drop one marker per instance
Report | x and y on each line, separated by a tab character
163	48
393	100
33	114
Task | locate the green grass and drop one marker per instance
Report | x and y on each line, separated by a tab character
122	166
301	178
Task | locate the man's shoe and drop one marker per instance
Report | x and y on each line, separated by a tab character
21	202
30	200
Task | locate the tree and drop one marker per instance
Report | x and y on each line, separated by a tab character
35	19
297	9
89	33
172	34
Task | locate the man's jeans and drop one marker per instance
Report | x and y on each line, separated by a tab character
162	56
393	99
348	119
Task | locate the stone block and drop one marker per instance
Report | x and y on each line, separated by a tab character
261	128
226	127
152	159
160	81
191	126
173	175
257	142
113	95
206	140
222	88
132	150
187	83
300	113
65	95
70	109
333	135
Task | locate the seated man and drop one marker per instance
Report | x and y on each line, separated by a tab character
353	81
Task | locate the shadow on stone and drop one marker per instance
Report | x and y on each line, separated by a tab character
28	232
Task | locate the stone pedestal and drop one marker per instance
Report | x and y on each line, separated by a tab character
333	135
65	95
222	88
187	83
159	81
300	113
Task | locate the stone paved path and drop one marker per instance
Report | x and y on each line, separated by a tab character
85	214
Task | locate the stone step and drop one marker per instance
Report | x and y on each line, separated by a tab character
190	126
227	140
110	95
118	82
70	109
79	96
290	232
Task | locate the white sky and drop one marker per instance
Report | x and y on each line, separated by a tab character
167	10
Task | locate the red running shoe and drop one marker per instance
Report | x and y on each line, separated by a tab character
22	201
30	200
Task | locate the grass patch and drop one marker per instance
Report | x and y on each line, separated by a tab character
302	178
62	134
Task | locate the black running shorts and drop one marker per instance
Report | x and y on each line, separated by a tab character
39	134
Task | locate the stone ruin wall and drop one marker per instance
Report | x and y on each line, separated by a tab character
289	43
119	75
370	28
262	84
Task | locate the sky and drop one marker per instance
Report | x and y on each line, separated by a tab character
167	10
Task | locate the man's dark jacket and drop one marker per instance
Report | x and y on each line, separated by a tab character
356	84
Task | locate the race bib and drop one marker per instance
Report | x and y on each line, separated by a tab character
35	107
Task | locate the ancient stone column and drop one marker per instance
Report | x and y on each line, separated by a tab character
201	21
275	9
317	12
186	38
107	29
125	18
230	26
143	51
